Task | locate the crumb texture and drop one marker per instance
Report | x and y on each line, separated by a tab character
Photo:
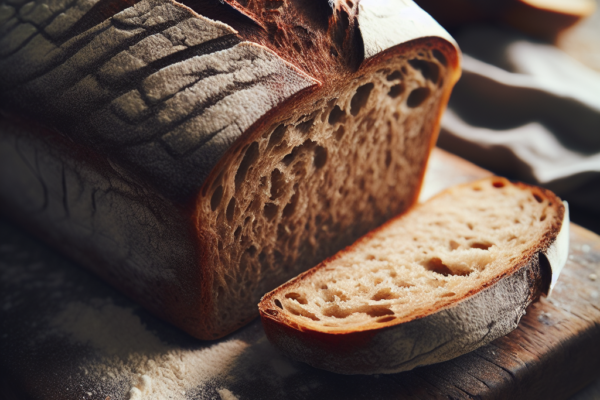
426	260
316	181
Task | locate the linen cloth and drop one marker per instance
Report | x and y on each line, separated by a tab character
527	110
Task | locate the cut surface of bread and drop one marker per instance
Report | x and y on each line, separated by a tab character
197	154
318	179
445	259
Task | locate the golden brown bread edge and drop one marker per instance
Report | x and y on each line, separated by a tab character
76	118
445	332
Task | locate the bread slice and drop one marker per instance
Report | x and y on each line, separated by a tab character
447	277
198	154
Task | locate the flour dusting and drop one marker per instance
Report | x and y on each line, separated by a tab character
152	369
226	394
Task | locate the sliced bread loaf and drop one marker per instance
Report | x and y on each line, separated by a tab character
197	154
447	277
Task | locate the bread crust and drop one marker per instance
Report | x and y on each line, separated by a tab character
441	333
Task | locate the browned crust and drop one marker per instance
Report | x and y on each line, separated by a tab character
166	304
302	99
283	331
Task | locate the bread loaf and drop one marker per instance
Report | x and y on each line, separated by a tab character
447	277
198	154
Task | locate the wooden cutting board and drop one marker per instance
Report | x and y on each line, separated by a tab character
66	335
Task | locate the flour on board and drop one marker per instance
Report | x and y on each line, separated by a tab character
153	369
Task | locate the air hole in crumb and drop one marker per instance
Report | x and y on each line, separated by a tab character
454	245
372	311
262	257
470	225
339	133
417	97
378	311
403	284
384	294
388	158
304	127
297	47
277	184
320	157
288	159
336	115
216	198
394	76
297	310
360	98
429	70
332	294
480	245
238	232
377	281
385	319
278	303
449	294
289	209
273	313
270	211
538	198
498	184
440	57
277	136
543	218
396	91
297	296
370	257
349	3
249	158
251	251
436	265
477	189
230	209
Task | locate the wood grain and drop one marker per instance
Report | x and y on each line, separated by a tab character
551	355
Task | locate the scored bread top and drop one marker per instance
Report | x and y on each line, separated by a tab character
443	251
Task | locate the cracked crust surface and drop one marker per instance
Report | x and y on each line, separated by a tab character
232	121
440	281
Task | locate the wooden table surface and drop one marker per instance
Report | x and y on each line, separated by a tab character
47	353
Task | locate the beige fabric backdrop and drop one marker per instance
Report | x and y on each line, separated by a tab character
530	110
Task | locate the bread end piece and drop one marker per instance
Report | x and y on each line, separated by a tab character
440	333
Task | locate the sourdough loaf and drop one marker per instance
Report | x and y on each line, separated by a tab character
447	277
197	154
